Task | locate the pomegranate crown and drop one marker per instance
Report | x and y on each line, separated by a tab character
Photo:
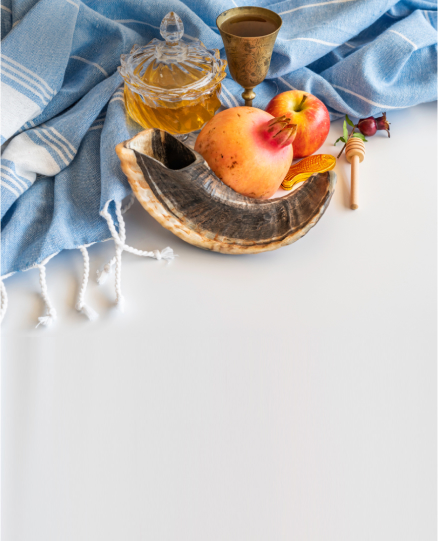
285	132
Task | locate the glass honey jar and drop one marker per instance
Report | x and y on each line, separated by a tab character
172	85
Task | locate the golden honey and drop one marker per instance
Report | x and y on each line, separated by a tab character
183	118
172	85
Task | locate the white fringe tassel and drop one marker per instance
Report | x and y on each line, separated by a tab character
4	300
50	316
81	306
120	300
102	275
119	240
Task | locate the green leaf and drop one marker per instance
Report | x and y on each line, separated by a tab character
360	136
340	139
349	121
345	130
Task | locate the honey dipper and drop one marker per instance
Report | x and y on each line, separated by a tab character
355	153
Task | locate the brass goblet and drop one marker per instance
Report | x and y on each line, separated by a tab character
249	57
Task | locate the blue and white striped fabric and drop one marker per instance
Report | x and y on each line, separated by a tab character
62	108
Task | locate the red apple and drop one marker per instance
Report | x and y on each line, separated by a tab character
310	115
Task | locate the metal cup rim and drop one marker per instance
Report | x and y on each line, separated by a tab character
244	8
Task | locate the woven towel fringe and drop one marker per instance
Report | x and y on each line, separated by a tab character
4	300
81	306
119	240
50	316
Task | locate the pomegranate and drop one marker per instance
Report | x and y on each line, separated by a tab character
367	126
248	149
383	124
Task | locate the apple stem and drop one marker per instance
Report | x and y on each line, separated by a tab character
300	106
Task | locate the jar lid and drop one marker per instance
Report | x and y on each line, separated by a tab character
171	70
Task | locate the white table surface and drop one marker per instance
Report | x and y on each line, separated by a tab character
289	395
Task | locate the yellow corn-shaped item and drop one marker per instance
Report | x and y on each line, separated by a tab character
320	163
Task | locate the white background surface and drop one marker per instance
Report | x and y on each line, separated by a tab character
289	395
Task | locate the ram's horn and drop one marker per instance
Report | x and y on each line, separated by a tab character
177	188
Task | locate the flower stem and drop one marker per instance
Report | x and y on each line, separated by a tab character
352	131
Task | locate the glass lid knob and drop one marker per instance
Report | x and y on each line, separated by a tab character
172	28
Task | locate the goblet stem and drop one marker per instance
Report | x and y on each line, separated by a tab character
248	96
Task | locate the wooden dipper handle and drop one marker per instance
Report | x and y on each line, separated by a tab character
355	153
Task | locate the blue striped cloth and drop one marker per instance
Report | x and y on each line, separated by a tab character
63	114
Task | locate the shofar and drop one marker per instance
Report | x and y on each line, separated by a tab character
177	188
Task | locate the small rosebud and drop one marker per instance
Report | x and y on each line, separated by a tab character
383	124
367	126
